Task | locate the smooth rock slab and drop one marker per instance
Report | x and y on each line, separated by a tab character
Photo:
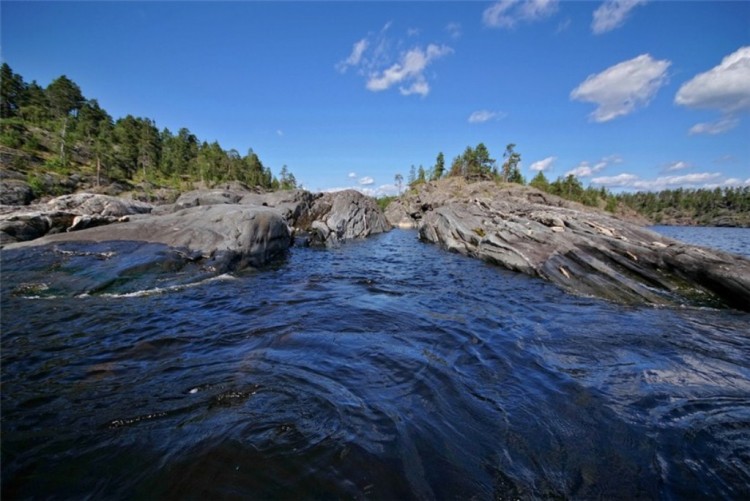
583	251
222	237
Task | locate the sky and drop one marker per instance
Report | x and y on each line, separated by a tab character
628	94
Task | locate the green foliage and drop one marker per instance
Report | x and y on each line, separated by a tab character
477	163
130	148
439	169
385	201
511	173
540	182
36	184
11	133
699	204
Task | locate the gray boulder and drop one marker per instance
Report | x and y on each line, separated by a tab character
342	215
223	237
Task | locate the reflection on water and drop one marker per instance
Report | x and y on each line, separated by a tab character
382	369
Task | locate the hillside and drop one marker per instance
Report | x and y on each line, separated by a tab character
55	141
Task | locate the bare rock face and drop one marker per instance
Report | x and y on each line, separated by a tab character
342	215
292	204
583	251
92	204
15	192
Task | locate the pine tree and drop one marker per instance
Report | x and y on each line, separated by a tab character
439	169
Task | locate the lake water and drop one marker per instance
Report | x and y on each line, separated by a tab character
736	240
384	369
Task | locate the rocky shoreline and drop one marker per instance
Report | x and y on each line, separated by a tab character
209	231
582	250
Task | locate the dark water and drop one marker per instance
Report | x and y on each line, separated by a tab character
383	369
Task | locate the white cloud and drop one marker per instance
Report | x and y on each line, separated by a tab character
725	87
622	88
366	181
508	13
585	169
612	14
352	175
679	165
619	180
542	165
626	180
454	30
410	69
481	116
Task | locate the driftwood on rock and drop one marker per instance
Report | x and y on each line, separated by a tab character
581	250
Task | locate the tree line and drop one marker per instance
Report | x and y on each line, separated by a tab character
476	163
130	148
473	164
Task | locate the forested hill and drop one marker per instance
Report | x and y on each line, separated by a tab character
56	140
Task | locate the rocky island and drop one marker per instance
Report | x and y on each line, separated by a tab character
582	250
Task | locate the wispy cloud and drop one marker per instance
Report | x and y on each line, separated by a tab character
409	70
585	169
542	165
621	89
724	88
355	57
481	116
366	181
374	59
612	14
454	30
508	13
674	166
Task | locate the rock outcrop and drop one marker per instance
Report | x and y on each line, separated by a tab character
65	213
581	250
221	230
342	215
222	237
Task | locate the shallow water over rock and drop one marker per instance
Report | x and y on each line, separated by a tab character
385	368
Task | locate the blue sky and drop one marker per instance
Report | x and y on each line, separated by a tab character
628	94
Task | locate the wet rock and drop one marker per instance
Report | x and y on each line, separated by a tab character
583	251
342	215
